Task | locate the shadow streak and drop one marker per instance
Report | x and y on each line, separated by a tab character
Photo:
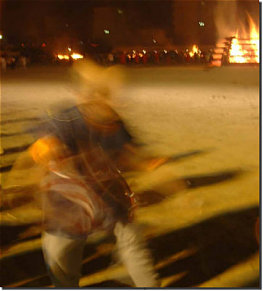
178	157
154	196
210	179
221	243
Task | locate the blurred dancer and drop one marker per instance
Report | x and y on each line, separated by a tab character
83	191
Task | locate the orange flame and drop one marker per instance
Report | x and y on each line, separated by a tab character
76	56
236	52
62	57
195	50
245	50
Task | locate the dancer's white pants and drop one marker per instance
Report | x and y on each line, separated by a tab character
63	257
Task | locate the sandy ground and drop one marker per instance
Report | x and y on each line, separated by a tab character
208	118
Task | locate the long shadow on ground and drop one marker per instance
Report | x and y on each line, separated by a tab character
149	197
220	243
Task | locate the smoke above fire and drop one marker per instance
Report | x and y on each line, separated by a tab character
237	32
226	21
236	18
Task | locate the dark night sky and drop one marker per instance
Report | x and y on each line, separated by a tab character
23	19
33	19
43	19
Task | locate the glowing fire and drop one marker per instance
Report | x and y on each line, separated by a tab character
63	57
236	52
245	48
195	50
74	56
